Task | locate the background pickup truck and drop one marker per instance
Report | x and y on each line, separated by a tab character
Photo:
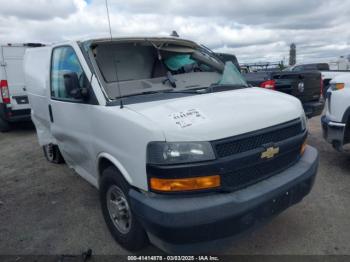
305	85
327	73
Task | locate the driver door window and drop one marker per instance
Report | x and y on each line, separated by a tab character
64	60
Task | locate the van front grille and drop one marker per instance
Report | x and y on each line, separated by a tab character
244	153
252	174
240	144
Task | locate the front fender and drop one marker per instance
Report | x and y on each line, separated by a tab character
116	163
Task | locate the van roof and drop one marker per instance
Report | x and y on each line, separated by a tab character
156	39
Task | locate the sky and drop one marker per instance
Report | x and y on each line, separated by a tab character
253	30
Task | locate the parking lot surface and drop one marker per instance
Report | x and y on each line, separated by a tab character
48	209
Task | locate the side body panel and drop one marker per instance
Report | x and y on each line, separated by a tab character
71	123
86	133
36	65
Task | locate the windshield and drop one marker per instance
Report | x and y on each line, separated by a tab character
289	68
145	68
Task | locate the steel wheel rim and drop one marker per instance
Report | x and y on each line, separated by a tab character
118	209
49	151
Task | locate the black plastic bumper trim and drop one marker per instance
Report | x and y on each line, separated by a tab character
183	220
313	108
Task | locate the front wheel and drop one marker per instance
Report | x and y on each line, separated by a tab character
121	222
52	154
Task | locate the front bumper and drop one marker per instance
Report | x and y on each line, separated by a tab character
313	108
185	223
333	132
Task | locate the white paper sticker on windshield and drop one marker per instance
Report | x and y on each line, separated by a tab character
187	118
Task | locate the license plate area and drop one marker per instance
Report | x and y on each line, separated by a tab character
280	203
21	100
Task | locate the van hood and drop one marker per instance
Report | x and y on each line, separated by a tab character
213	116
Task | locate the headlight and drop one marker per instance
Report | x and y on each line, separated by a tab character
303	120
179	152
336	86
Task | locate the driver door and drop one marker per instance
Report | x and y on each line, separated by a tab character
70	117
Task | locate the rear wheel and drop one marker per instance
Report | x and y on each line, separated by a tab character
121	222
4	126
52	154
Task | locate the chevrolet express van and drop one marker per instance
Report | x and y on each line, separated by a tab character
183	152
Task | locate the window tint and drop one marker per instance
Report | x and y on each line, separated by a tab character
323	67
64	60
298	68
311	67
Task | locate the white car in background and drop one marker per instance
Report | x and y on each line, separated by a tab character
184	153
336	120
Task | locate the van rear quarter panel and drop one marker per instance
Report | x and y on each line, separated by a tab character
36	71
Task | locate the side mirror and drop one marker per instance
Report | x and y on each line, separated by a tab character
73	88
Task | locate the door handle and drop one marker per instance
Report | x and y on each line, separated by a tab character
50	113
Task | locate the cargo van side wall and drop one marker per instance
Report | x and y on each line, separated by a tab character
36	64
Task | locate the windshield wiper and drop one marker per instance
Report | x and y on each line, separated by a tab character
201	90
226	87
144	93
210	89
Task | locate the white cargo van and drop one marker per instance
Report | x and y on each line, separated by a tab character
184	153
14	105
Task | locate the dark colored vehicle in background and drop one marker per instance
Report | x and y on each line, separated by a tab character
307	85
324	68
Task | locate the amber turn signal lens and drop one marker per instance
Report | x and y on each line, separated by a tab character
303	147
184	184
339	86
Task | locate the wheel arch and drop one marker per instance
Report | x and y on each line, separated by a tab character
105	160
346	115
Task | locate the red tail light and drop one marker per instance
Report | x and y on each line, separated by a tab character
269	84
321	93
4	90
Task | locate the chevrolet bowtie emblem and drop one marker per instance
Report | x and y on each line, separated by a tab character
270	152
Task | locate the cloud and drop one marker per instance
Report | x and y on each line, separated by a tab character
253	30
37	9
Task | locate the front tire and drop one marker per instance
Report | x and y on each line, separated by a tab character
52	154
121	222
